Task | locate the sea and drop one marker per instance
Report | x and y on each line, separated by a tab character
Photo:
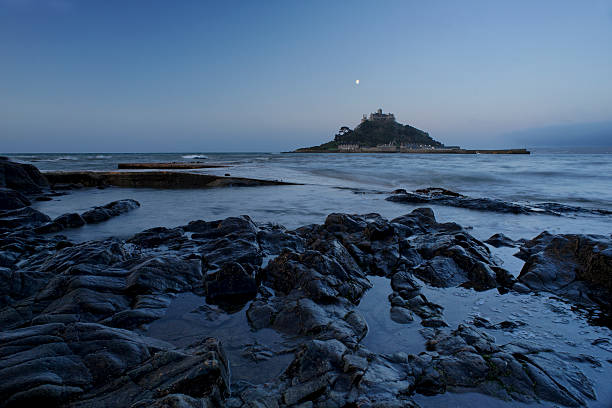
350	183
359	184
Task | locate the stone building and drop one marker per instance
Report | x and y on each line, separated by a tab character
378	115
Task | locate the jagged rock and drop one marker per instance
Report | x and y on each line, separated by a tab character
92	252
500	240
70	314
23	218
49	228
578	267
233	239
154	237
70	220
106	212
322	278
99	365
470	359
96	215
274	239
24	178
230	284
11	199
162	274
441	196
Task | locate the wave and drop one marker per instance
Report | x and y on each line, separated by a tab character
62	158
195	156
100	156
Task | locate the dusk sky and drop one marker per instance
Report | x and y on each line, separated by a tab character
154	76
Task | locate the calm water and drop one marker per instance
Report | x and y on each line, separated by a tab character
359	183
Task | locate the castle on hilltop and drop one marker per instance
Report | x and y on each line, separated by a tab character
378	115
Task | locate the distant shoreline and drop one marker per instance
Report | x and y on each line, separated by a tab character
417	151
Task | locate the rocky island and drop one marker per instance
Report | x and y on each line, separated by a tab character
381	133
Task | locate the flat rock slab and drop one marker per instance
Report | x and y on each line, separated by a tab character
441	196
153	179
171	165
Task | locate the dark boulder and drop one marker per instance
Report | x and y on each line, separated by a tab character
452	199
578	267
230	285
106	212
22	218
154	237
500	240
96	215
441	196
11	199
80	360
21	177
49	228
274	239
470	359
321	277
162	274
122	206
70	220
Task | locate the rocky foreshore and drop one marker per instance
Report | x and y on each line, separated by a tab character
90	324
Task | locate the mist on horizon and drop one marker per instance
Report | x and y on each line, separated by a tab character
208	76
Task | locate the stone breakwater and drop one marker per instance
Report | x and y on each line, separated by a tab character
149	179
75	319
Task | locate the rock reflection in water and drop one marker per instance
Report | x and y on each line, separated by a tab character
254	356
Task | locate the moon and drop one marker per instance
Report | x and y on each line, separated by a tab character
356	82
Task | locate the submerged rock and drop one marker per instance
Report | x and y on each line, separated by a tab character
441	196
70	220
106	212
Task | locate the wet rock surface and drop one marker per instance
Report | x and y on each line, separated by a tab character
577	267
148	179
100	214
11	199
24	178
467	358
441	196
75	318
94	216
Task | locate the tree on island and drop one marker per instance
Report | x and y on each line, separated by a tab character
344	130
